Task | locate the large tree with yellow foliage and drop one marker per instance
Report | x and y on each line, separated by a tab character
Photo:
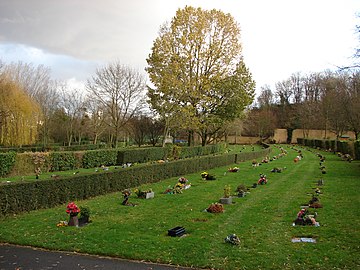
19	115
200	81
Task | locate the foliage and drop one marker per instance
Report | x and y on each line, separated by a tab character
62	161
7	162
197	71
227	191
26	196
54	147
357	150
141	155
142	193
27	163
19	114
84	213
344	147
97	158
241	188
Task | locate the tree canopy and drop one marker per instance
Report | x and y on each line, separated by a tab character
19	114
198	72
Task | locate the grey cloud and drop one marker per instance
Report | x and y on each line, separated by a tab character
89	30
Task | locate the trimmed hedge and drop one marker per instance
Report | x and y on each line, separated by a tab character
345	147
62	161
67	160
20	196
7	162
97	158
357	149
54	147
28	162
141	155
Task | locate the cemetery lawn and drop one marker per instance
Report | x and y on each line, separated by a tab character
262	220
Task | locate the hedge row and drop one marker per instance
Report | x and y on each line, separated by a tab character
7	161
357	150
27	163
142	155
345	147
54	147
26	196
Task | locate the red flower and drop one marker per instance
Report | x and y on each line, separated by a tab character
72	208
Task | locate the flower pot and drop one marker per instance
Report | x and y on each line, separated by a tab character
226	200
74	221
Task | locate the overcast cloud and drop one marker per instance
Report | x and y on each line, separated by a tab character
279	37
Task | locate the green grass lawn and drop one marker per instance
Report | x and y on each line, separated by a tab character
262	220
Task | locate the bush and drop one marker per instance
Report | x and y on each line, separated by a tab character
97	158
357	150
62	161
28	162
141	155
7	162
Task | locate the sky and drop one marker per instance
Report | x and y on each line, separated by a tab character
74	37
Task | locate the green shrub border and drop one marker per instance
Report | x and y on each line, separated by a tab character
68	160
7	162
27	196
344	147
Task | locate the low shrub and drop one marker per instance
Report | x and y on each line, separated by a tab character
7	162
97	158
62	161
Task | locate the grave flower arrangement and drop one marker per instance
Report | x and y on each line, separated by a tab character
234	169
215	208
142	193
207	176
232	239
182	180
72	209
305	218
262	180
241	190
179	187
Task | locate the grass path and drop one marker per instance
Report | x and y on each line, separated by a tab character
263	220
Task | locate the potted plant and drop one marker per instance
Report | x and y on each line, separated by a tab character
241	190
73	210
227	199
234	169
84	216
144	194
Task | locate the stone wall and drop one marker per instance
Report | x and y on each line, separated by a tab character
280	135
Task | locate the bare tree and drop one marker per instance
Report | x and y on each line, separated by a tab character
96	119
334	103
72	102
119	90
353	103
266	97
